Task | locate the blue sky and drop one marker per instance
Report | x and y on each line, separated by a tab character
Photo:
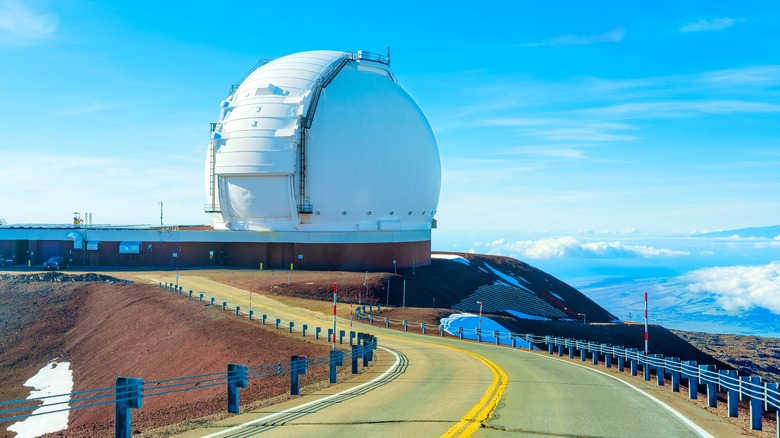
572	134
562	117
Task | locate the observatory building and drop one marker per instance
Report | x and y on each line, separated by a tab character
318	159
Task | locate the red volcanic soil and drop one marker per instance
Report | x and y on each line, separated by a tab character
109	330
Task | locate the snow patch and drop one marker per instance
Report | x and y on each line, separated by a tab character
522	315
555	295
453	257
54	379
470	323
505	277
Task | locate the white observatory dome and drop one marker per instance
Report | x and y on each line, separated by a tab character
322	141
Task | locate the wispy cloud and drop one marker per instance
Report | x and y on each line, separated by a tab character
19	22
567	246
714	24
679	108
739	288
615	35
566	129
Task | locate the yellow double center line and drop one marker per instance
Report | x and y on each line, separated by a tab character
483	409
480	412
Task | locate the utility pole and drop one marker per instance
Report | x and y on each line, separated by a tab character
480	315
404	302
161	212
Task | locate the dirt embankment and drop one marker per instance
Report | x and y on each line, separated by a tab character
108	330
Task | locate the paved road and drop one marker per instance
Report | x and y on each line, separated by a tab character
438	386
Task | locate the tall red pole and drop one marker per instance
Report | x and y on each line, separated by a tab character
646	334
334	315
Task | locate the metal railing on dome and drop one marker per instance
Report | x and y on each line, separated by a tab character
258	64
362	54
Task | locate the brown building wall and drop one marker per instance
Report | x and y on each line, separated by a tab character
336	256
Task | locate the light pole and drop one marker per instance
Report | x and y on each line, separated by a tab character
394	270
584	318
480	315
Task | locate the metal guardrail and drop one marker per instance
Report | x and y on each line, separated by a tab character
761	396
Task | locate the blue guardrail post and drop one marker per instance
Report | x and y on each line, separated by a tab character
236	378
336	360
675	373
709	375
365	342
660	372
298	365
731	382
295	379
341	336
692	374
354	359
129	395
755	391
317	331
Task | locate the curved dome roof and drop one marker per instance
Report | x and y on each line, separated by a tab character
323	141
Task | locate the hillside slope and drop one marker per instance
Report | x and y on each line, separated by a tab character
450	281
447	281
107	330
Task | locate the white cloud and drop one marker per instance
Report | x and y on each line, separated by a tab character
714	24
18	22
739	288
567	246
615	35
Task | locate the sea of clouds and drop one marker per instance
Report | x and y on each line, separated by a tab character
695	282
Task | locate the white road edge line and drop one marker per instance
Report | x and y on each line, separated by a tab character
347	391
702	433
